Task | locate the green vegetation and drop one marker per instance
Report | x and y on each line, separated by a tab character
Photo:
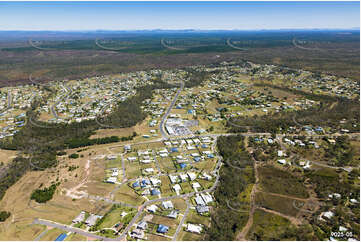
39	142
85	141
113	216
226	222
267	226
44	195
282	182
74	156
276	203
341	153
4	215
329	113
328	181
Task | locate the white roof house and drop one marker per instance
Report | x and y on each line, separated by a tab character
79	218
155	181
196	185
91	220
149	170
191	175
328	214
112	179
193	228
207	198
152	208
183	177
177	188
167	205
132	158
199	200
173	179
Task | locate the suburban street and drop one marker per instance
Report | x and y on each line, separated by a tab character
164	118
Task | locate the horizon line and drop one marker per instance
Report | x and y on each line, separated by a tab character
185	29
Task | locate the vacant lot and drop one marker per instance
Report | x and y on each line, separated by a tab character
279	204
267	226
278	181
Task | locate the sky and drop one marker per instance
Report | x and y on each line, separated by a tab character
177	15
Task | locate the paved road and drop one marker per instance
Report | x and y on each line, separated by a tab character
70	229
41	235
228	42
161	124
123	166
52	108
181	222
162	42
9	102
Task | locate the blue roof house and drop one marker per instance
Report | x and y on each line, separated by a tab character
135	184
197	159
162	229
155	192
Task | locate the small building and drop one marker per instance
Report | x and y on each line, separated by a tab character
155	181
155	192
327	215
111	157
136	184
142	225
193	228
137	234
196	185
162	229
173	214
177	188
127	148
92	219
173	179
202	209
80	218
132	158
111	180
183	177
192	176
167	205
152	208
199	201
207	198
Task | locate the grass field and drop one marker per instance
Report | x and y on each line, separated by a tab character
52	234
194	218
187	236
279	181
267	226
75	237
279	204
127	195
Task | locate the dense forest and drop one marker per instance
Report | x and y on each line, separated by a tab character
226	221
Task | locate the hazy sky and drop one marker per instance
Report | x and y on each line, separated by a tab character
177	15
